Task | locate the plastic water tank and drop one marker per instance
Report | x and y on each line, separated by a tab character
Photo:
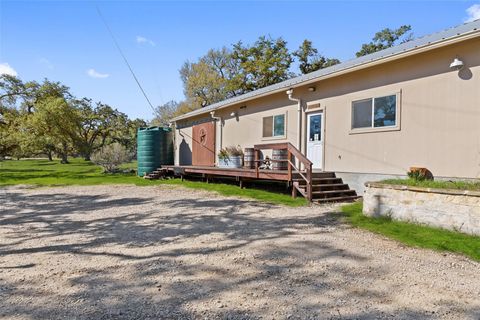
154	148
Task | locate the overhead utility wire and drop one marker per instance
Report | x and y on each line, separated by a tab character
123	56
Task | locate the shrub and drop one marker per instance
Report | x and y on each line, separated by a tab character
227	152
111	156
419	174
235	151
223	154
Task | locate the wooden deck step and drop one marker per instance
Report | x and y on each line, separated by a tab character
155	174
330	186
320	180
337	199
317	193
327	187
315	175
324	192
325	174
328	192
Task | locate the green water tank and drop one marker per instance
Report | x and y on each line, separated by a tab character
154	148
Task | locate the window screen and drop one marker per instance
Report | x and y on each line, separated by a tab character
274	126
267	127
362	114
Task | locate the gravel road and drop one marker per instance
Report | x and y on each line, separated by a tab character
126	252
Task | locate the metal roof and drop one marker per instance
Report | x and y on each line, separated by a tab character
417	43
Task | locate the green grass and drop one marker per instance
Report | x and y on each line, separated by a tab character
414	235
462	185
233	190
80	172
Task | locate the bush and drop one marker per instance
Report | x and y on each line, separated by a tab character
226	153
111	156
420	174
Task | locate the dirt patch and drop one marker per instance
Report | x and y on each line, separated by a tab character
126	252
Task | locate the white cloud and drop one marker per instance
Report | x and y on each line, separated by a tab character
6	69
473	13
95	74
45	62
143	40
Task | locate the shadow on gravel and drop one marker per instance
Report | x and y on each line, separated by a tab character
296	275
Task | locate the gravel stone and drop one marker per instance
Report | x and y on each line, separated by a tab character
164	252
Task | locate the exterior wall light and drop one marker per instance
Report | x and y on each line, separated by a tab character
312	89
456	64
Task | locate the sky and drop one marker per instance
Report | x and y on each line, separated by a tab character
67	41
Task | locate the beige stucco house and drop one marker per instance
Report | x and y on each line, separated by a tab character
368	118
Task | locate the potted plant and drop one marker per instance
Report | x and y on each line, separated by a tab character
230	157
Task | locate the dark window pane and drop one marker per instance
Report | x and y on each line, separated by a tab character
385	111
267	126
315	133
362	114
279	125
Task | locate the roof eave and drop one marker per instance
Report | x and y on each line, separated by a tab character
427	47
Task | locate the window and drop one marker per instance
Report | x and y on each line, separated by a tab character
375	112
274	126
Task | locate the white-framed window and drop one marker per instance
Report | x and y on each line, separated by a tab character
378	112
274	126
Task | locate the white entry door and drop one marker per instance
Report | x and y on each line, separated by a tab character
315	139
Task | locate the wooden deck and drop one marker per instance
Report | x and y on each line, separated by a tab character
278	175
314	186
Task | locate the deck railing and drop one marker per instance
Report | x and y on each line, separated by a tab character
306	174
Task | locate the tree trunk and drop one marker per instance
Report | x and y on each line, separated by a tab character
64	158
87	157
64	155
49	154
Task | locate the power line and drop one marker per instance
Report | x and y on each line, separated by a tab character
124	57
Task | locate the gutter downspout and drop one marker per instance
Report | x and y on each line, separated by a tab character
299	122
212	114
173	126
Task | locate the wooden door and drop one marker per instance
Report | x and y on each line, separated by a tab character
203	151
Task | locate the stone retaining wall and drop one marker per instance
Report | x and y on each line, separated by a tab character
457	210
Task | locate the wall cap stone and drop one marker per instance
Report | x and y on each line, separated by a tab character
455	192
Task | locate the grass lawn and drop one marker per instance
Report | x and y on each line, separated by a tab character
462	185
80	172
414	235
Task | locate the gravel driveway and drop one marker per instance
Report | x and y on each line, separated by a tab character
126	252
